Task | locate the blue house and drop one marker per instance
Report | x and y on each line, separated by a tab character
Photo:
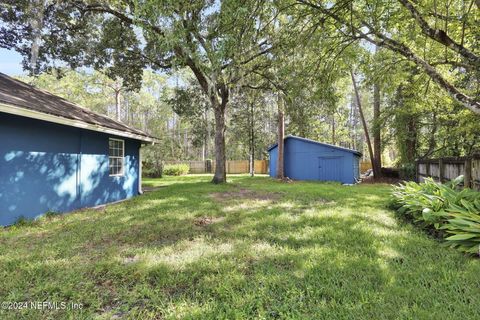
305	159
57	156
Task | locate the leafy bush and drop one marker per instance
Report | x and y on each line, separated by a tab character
455	214
176	169
153	170
407	171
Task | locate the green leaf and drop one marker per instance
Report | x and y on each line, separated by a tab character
463	236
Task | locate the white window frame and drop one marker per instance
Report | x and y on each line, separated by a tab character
122	173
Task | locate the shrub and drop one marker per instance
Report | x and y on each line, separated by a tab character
154	170
453	213
176	169
407	171
24	222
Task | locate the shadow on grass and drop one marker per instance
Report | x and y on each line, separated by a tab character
318	251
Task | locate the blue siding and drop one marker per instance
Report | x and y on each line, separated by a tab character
49	167
356	166
305	160
273	162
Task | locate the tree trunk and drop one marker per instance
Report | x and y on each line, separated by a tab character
252	141
220	160
364	123
185	141
377	147
36	23
353	113
117	105
281	134
145	121
432	142
411	141
218	94
333	128
171	133
207	136
384	41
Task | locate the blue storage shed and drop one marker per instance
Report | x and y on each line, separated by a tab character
306	159
57	156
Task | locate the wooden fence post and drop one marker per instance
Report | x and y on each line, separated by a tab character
427	167
208	166
440	170
467	176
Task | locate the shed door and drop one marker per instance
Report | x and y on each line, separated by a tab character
329	168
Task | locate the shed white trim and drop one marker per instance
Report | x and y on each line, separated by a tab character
140	191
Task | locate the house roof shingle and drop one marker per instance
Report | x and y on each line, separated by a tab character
18	94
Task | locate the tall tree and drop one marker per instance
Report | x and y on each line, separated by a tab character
280	138
251	118
252	125
117	89
377	144
221	43
364	122
389	25
377	134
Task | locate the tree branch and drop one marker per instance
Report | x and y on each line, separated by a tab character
440	35
106	9
178	50
252	57
398	47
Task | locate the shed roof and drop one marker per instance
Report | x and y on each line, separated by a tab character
318	143
20	98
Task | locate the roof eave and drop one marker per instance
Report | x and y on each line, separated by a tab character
23	112
320	143
272	146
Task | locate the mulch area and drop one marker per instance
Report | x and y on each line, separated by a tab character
388	180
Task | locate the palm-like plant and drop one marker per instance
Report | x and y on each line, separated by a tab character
456	213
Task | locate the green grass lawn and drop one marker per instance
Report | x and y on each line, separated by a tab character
255	248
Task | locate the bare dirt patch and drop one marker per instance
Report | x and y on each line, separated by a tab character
245	194
130	259
388	180
204	221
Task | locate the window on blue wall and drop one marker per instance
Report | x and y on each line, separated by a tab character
116	153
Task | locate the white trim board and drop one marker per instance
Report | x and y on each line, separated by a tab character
15	110
140	191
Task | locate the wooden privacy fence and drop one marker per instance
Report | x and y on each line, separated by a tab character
445	169
233	166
